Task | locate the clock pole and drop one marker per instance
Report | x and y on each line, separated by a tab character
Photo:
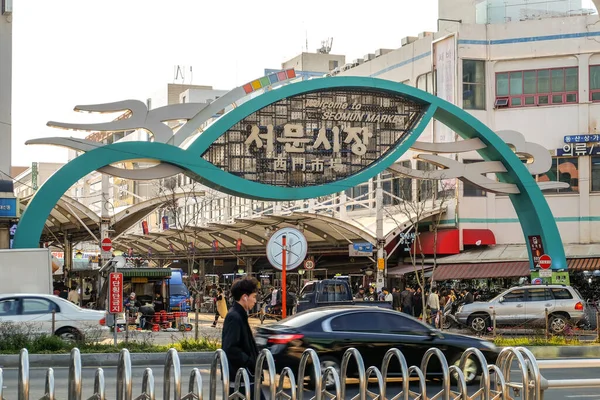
283	278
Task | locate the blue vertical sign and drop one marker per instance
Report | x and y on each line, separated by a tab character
8	207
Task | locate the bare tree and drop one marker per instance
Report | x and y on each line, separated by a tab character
184	206
428	204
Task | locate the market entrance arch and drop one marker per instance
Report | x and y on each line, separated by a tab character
311	139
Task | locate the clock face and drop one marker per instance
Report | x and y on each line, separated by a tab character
296	248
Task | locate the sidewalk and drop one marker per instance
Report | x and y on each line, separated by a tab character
205	330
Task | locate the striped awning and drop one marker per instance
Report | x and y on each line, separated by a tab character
481	271
583	264
146	272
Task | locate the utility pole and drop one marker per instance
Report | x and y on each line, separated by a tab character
104	228
381	263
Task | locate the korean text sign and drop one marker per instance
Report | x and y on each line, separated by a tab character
115	296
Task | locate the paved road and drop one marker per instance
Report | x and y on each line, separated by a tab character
37	376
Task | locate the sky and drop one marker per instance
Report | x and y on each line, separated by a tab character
71	52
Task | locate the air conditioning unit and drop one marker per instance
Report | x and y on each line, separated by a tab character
335	71
358	61
501	102
408	40
380	52
425	34
346	67
7	7
369	57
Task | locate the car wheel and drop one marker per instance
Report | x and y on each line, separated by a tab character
470	371
558	323
478	323
326	362
69	334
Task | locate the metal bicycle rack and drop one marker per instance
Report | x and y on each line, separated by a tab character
495	383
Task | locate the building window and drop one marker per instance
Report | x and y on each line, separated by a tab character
470	190
595	175
564	169
396	189
333	64
595	83
425	82
425	188
474	84
537	87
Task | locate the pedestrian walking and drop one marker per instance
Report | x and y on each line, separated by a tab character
237	339
220	307
433	302
407	301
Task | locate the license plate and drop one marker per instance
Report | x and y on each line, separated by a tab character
261	341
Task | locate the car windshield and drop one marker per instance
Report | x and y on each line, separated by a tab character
178	290
301	319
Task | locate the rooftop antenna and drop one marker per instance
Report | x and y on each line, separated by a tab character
179	74
325	46
306	36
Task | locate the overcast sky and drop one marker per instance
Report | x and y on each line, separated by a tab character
69	52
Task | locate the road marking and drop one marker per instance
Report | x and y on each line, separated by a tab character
583	395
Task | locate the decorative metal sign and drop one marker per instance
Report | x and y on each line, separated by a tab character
315	138
304	140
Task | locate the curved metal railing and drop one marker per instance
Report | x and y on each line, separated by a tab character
516	370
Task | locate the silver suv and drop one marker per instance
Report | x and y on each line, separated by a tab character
526	305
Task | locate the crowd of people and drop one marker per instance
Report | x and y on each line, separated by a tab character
410	300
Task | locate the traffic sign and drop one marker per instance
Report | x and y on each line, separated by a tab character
115	296
106	244
296	248
360	249
309	264
545	261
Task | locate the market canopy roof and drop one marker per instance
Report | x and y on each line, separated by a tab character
80	223
323	234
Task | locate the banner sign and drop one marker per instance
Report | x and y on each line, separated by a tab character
582	138
115	302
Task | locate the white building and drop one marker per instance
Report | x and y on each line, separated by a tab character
526	70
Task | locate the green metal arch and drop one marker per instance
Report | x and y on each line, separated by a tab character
531	206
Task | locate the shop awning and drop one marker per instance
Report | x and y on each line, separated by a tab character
583	264
146	272
481	271
478	237
446	242
407	269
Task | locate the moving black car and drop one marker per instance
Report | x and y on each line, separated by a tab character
372	331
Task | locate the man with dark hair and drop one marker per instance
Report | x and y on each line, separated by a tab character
237	340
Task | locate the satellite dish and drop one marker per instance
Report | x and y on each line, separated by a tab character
120	261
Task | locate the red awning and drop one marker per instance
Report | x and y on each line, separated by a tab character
478	237
404	269
447	242
583	264
481	271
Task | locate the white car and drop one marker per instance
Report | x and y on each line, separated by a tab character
34	312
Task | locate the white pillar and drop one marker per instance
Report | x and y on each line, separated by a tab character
5	93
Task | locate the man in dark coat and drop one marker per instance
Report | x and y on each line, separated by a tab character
237	340
396	303
407	301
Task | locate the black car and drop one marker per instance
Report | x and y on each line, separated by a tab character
372	331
